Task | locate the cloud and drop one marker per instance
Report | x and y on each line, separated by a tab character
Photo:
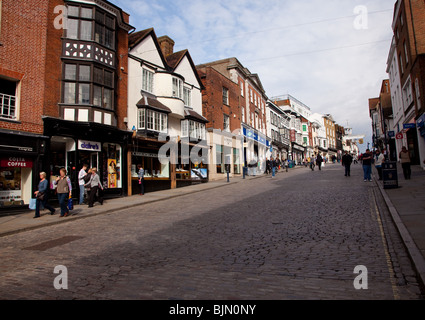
309	49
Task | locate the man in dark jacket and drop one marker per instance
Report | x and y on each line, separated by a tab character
319	161
347	160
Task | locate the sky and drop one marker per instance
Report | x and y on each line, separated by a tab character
331	55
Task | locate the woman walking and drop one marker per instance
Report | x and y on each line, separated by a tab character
42	195
94	185
405	163
64	191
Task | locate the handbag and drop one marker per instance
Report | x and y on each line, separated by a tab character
40	196
70	204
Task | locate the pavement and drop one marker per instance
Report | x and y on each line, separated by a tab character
12	224
406	205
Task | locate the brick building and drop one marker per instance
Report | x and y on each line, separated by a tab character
409	35
221	104
63	98
243	110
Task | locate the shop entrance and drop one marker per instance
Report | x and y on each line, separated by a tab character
412	141
91	159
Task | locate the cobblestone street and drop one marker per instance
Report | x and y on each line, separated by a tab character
298	236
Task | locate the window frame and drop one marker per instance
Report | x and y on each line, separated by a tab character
107	93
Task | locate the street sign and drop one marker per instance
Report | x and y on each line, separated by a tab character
399	136
409	126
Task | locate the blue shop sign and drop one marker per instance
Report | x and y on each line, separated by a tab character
391	134
421	121
409	126
251	134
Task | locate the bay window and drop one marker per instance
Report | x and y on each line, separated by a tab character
87	84
152	120
193	130
81	23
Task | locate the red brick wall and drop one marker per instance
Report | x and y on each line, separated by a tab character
212	99
53	69
122	83
22	56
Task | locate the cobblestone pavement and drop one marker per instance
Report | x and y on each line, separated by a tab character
298	236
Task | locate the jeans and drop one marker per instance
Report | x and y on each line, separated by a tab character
347	170
379	169
81	194
407	171
45	205
142	185
367	171
63	202
273	171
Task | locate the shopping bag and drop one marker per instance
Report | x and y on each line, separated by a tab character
70	204
32	204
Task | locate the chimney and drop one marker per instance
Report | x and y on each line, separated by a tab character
167	45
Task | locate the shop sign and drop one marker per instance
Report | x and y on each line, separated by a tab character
16	162
145	154
399	136
89	145
421	121
409	126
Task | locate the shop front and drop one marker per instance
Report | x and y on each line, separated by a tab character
162	174
73	144
21	158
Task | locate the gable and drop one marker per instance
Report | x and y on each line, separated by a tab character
148	50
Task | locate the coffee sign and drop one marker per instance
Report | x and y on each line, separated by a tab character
16	162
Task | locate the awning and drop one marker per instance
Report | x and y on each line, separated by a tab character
190	114
152	103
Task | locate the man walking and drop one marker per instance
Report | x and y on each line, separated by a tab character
319	161
81	182
367	166
347	160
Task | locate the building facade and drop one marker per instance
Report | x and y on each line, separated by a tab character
409	35
222	105
165	114
63	100
252	103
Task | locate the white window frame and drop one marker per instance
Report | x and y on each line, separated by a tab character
177	88
147	80
187	97
225	96
226	124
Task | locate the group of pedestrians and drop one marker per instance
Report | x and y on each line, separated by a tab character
368	159
89	183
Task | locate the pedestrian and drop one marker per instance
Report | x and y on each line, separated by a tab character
347	160
367	166
273	167
319	161
286	162
42	195
267	166
380	158
81	182
141	175
64	191
94	184
312	160
405	163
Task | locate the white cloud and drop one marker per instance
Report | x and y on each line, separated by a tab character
309	49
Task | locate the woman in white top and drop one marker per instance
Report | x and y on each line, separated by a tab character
380	158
